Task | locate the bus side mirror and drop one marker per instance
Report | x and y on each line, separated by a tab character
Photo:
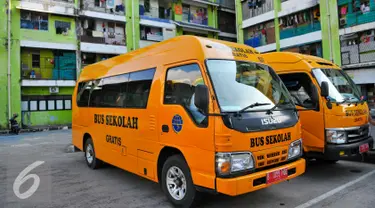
201	98
324	89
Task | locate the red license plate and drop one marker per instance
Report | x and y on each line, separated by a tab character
277	175
364	148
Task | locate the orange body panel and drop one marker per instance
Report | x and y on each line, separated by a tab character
313	122
140	148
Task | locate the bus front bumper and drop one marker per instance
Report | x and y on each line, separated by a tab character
342	151
255	181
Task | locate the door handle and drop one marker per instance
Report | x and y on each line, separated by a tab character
165	128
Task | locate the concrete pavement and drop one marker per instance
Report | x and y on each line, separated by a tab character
66	181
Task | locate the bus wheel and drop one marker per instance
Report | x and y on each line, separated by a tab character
177	183
90	156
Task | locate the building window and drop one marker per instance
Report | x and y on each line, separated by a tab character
193	14
147	5
180	88
25	106
46	103
42	105
34	20
33	105
62	27
35	60
151	33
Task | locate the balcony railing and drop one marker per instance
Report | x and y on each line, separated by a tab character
300	30
103	7
58	68
156	12
268	38
104	38
358	53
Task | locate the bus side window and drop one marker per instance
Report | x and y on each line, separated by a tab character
83	94
180	87
300	87
139	88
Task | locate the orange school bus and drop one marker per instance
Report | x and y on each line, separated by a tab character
185	113
338	127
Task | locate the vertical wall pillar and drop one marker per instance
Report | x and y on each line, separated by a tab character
15	62
177	15
132	24
212	19
277	9
330	31
3	66
78	51
240	37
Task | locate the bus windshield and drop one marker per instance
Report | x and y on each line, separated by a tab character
341	87
240	84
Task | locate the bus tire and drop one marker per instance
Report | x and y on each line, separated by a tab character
177	183
90	156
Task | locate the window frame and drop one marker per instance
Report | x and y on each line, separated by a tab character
129	74
167	69
311	76
46	98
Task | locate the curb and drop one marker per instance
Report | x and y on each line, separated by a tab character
38	129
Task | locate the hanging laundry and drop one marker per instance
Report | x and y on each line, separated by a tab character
296	19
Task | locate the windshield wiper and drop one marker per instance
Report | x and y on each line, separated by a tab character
344	101
252	106
278	105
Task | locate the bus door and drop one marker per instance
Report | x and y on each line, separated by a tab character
181	124
300	86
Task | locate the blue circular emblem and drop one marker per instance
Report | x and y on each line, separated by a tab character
177	123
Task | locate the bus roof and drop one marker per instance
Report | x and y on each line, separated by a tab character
293	58
177	49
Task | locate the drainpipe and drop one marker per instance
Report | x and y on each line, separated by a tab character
9	48
133	25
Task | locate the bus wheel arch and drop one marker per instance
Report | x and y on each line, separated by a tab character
165	153
86	136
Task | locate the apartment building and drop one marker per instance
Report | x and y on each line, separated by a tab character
51	41
341	31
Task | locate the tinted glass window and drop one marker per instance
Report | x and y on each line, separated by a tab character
180	87
300	87
95	93
113	91
139	88
83	94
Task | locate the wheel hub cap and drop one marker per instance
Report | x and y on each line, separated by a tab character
176	183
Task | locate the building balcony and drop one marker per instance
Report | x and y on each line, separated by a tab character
115	7
49	77
48	67
104	38
300	30
61	7
358	55
268	37
357	18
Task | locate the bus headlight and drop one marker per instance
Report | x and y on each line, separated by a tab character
336	137
295	149
227	163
